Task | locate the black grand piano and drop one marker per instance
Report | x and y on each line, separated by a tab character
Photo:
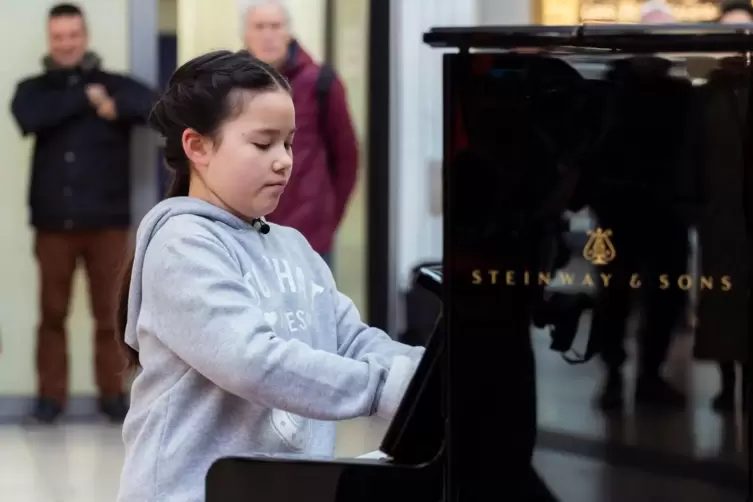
646	131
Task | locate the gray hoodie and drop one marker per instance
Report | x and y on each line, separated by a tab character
246	347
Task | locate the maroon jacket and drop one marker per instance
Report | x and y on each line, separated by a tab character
314	201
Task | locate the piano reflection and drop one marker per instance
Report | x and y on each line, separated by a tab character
579	162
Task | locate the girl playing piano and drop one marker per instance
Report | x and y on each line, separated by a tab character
243	343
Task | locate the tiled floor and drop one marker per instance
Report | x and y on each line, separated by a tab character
82	462
78	463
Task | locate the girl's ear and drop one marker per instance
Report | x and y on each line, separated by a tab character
197	148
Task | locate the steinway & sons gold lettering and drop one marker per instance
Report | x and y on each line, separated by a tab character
686	282
599	251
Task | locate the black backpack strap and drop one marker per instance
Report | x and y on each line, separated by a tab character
323	84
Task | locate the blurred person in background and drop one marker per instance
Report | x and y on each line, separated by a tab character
325	147
736	12
81	117
657	12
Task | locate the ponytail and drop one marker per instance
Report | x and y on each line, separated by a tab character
178	188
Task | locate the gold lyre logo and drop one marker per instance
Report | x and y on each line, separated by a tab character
599	249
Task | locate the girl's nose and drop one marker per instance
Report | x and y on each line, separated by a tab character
281	166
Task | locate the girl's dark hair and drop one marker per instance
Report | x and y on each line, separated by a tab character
201	95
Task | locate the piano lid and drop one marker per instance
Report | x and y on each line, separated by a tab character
631	38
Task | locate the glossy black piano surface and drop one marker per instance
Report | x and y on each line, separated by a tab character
593	172
601	173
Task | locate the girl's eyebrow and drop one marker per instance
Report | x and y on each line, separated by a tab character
271	131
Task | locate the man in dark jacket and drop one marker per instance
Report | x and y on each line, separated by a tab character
81	117
325	153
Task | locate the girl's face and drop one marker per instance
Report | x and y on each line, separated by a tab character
246	171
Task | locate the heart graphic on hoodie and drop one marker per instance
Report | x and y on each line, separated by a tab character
271	318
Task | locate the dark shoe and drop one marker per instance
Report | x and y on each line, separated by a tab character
656	392
46	411
611	398
115	408
724	402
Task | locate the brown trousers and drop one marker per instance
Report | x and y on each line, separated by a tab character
58	254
